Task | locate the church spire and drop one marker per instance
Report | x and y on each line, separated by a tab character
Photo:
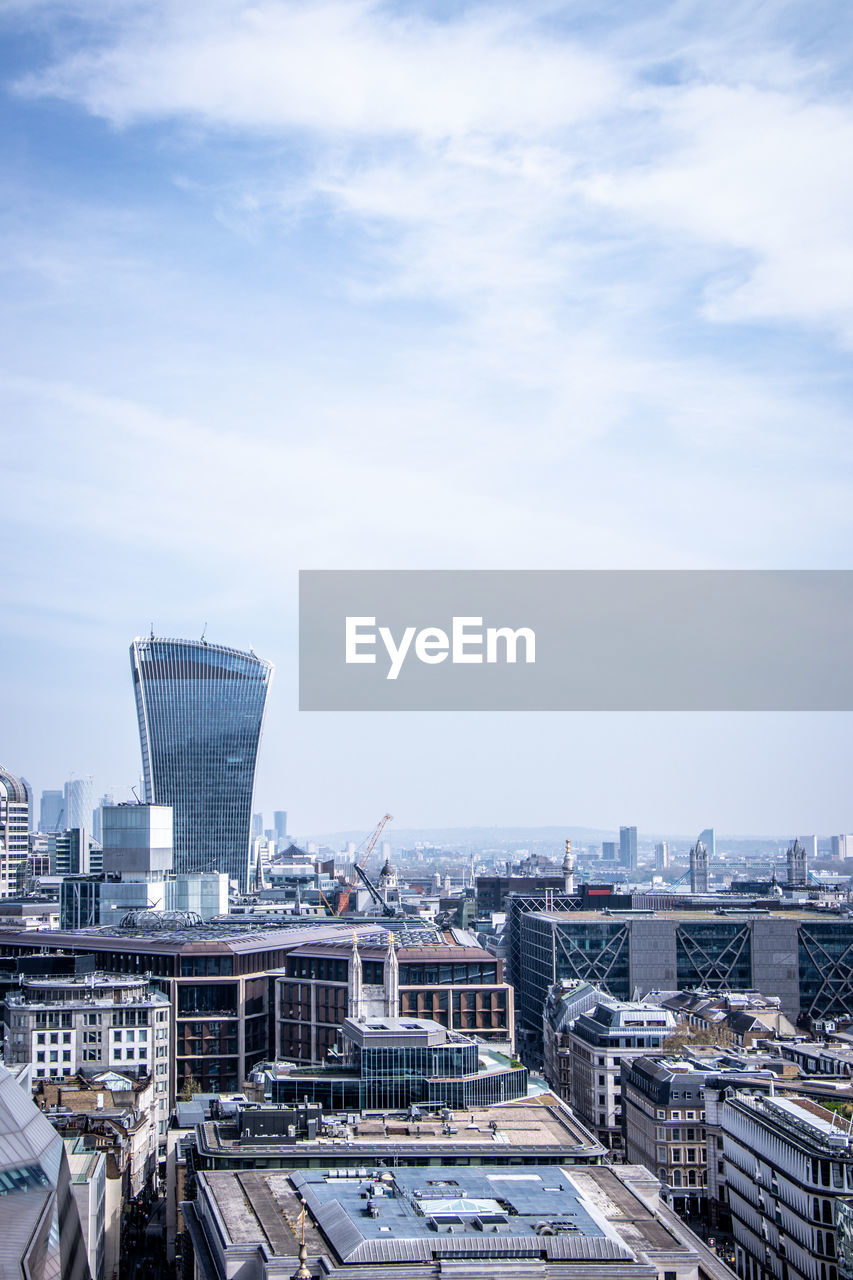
392	980
355	992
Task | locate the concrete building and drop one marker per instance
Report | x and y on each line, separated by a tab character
451	1219
788	1165
90	1023
661	856
736	1017
565	1002
599	1042
14	833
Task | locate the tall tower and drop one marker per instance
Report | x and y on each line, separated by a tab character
355	984
392	980
79	803
14	833
798	869
201	709
699	868
568	869
628	847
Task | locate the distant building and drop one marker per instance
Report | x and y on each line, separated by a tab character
699	868
609	851
628	847
661	856
599	1042
51	810
708	837
798	871
200	708
79	803
838	848
279	820
14	833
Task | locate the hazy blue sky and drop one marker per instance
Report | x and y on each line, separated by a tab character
356	285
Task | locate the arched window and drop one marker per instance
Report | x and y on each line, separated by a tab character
676	1177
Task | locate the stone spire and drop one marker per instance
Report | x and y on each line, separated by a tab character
568	869
355	991
392	980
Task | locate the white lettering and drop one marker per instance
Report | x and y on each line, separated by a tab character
510	638
353	639
432	645
461	638
395	653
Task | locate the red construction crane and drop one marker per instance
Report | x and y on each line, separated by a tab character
344	895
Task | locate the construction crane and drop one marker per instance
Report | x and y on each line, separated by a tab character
384	907
352	882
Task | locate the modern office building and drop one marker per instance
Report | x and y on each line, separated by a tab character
802	956
599	1042
708	837
14	833
79	803
789	1169
661	856
279	820
390	1064
425	972
39	1220
628	847
51	810
71	853
201	708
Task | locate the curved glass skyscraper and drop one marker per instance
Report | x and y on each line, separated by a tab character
200	709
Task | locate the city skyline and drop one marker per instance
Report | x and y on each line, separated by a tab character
419	286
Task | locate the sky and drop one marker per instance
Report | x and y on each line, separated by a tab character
419	285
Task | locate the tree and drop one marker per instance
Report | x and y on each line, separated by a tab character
685	1035
191	1086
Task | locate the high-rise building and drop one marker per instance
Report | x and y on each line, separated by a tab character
257	825
608	851
30	804
628	847
838	847
14	833
51	811
708	837
279	819
79	803
97	817
661	856
201	709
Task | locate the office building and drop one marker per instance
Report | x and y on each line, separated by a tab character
14	833
708	837
39	1220
838	848
416	972
565	1002
91	1023
600	1040
446	1220
788	1165
800	956
79	803
70	853
97	816
661	856
699	868
609	851
628	847
391	1064
51	810
200	708
279	819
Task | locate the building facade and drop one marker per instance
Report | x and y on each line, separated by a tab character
789	1167
599	1042
200	709
802	957
14	833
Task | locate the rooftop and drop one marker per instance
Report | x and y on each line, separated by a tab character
421	1215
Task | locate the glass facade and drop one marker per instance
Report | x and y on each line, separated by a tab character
714	954
200	708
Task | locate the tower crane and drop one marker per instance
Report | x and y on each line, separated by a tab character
352	882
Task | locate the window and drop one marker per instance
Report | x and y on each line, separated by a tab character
66	1055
